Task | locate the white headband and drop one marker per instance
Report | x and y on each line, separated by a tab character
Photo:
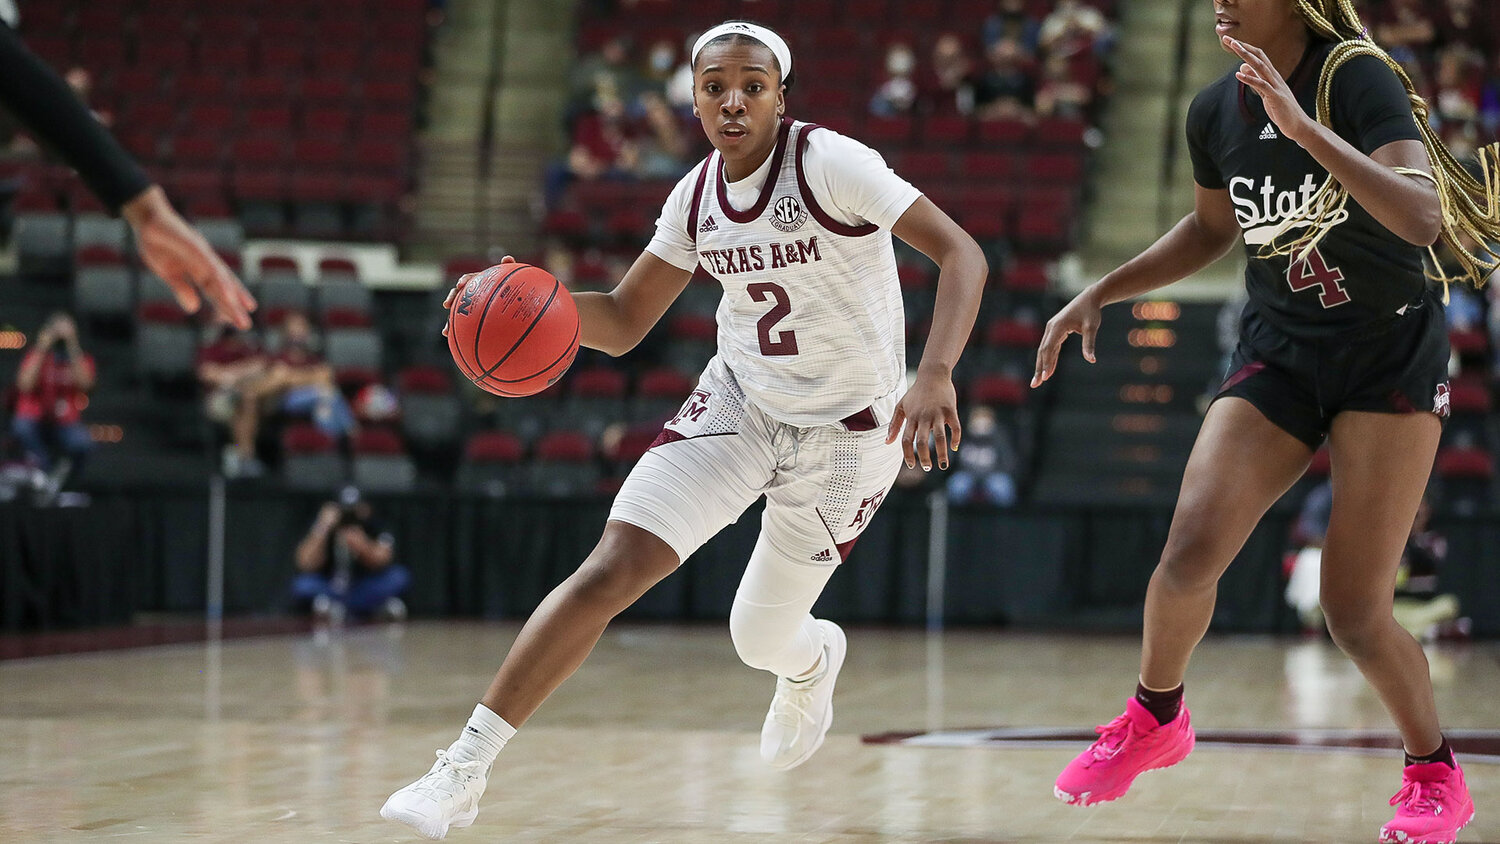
765	36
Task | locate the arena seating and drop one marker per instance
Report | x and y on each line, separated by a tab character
299	117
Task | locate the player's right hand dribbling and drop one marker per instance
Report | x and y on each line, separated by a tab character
462	280
1081	316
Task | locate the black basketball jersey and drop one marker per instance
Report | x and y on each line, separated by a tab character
1360	272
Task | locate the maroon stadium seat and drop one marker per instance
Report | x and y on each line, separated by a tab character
230	60
279	57
327	123
258	152
327	91
389	93
215	118
198	150
945	129
384	123
1465	462
199	87
336	61
1012	133
395	63
164	56
269	92
994	389
565	446
598	382
426	380
494	447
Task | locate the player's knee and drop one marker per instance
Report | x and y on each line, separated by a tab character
1354	627
1188	561
752	643
617	575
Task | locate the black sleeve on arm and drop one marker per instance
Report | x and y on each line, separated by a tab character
40	99
1370	105
1199	124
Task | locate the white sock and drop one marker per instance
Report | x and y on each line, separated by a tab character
483	737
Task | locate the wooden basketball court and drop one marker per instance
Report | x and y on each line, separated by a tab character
299	738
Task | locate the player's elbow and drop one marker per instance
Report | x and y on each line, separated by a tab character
1426	227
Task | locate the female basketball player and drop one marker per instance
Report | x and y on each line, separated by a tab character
803	403
1342	341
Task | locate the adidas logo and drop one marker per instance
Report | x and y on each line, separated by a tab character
1269	133
708	225
824	556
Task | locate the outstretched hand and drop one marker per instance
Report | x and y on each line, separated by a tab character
926	414
458	288
1261	76
179	255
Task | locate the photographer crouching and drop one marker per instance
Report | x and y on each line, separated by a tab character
345	565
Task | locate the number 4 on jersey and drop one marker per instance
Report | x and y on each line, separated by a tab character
1315	272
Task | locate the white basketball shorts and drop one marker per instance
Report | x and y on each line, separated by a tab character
720	453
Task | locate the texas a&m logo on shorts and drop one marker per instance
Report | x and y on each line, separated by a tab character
1441	406
692	409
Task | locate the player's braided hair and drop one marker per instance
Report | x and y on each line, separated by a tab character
1470	206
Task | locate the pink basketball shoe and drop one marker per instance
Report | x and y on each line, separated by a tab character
1431	807
1128	746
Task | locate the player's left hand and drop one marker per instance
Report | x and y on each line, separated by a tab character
1261	76
459	288
928	412
179	256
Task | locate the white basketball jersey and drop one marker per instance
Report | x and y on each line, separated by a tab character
811	323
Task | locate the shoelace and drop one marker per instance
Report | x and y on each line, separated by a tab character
450	778
793	700
1112	737
1420	798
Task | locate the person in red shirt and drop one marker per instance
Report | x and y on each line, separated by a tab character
296	381
51	392
226	369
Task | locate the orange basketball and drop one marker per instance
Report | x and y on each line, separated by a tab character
513	330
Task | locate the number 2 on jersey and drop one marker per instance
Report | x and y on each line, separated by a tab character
785	343
1315	272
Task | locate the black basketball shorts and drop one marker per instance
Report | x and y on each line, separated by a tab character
1300	384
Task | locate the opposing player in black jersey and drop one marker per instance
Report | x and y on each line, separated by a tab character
1315	152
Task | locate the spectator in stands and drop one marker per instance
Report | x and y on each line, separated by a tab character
226	368
663	147
346	564
660	65
1060	94
986	465
609	73
897	95
604	147
1467	22
52	388
168	246
1013	19
951	88
1306	560
679	86
1074	28
1419	607
297	382
1460	84
1403	26
1006	90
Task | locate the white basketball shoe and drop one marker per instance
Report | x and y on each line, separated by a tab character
446	797
802	711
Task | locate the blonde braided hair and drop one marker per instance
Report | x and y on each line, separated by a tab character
1470	206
